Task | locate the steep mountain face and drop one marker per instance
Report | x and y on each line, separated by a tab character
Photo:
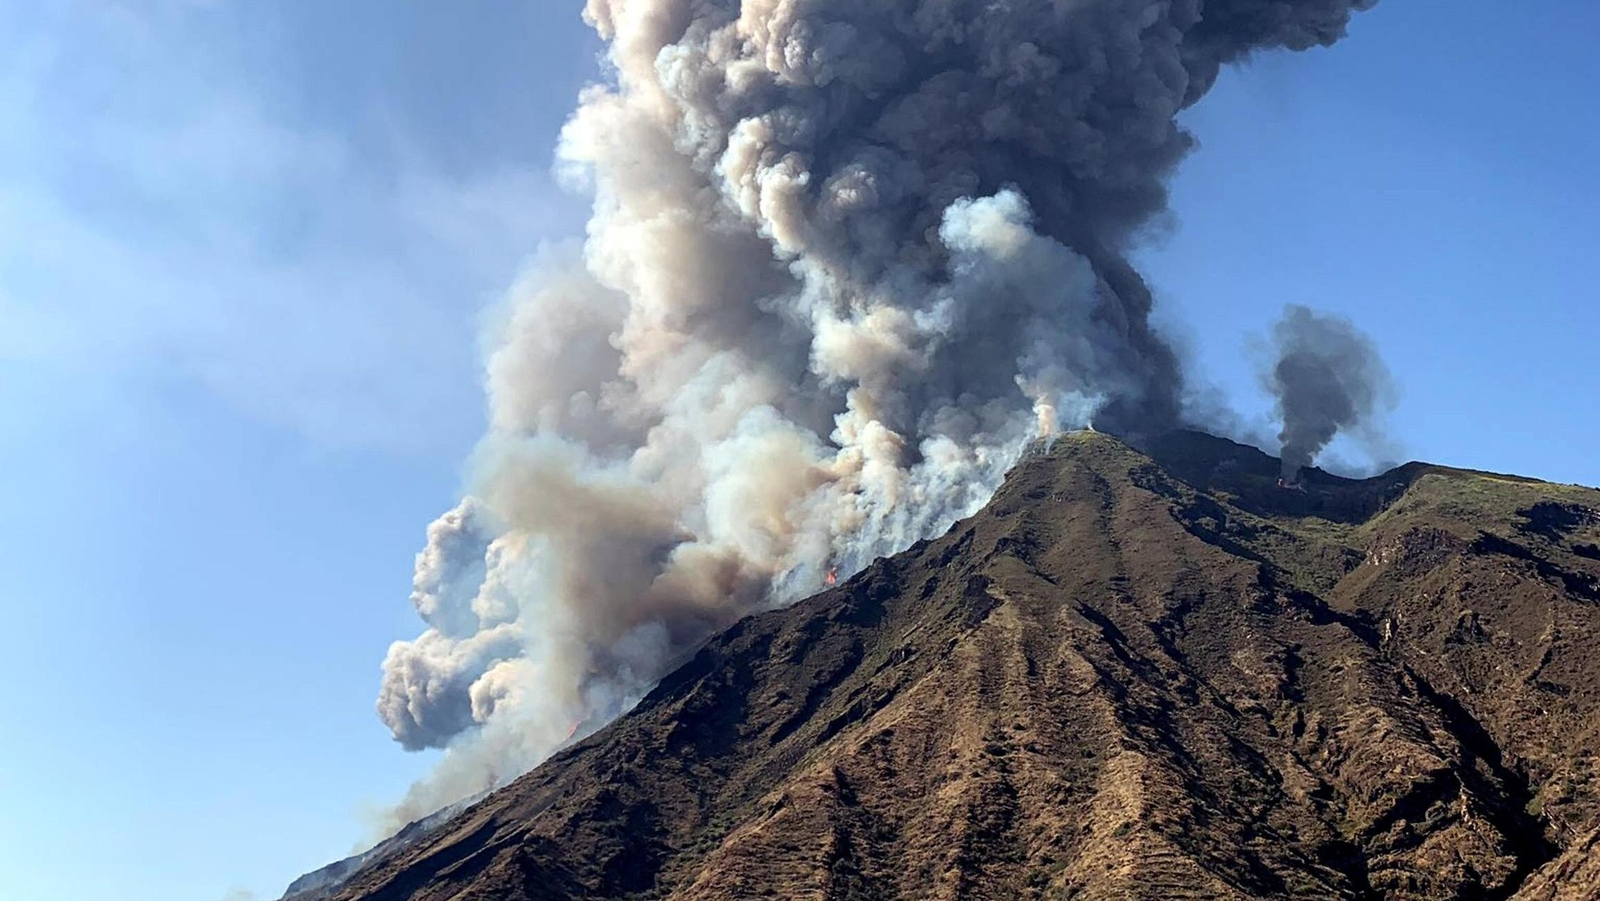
323	883
1134	675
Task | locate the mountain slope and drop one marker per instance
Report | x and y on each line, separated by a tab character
1131	676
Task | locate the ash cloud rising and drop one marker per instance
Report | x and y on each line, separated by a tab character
1327	378
846	259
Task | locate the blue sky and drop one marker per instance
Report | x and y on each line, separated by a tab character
244	249
1434	179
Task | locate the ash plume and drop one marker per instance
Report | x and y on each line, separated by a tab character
846	260
1327	378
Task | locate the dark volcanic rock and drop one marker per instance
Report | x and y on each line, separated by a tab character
1130	677
322	884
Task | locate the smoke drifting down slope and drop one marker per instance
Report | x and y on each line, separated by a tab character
846	260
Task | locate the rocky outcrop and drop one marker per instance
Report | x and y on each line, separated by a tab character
1134	675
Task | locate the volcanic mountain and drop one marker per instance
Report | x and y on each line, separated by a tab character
1137	674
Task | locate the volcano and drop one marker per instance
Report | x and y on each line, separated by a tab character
1136	674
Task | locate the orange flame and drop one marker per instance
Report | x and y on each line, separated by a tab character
833	577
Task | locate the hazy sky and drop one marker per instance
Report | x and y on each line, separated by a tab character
244	249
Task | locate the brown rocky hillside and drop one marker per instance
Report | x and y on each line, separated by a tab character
1132	676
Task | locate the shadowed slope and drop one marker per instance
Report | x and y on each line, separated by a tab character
1130	676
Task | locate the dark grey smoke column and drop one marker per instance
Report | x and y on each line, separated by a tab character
1327	377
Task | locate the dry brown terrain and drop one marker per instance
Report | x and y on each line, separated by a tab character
1132	676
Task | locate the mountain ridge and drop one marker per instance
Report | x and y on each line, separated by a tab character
1134	674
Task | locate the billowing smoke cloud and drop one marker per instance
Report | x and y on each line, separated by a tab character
1327	378
846	259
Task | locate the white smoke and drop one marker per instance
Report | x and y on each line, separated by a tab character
846	260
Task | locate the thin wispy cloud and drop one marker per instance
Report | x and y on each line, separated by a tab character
166	212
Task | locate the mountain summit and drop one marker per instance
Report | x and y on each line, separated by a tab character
1136	674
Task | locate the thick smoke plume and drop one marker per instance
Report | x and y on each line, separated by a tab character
1327	378
847	258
